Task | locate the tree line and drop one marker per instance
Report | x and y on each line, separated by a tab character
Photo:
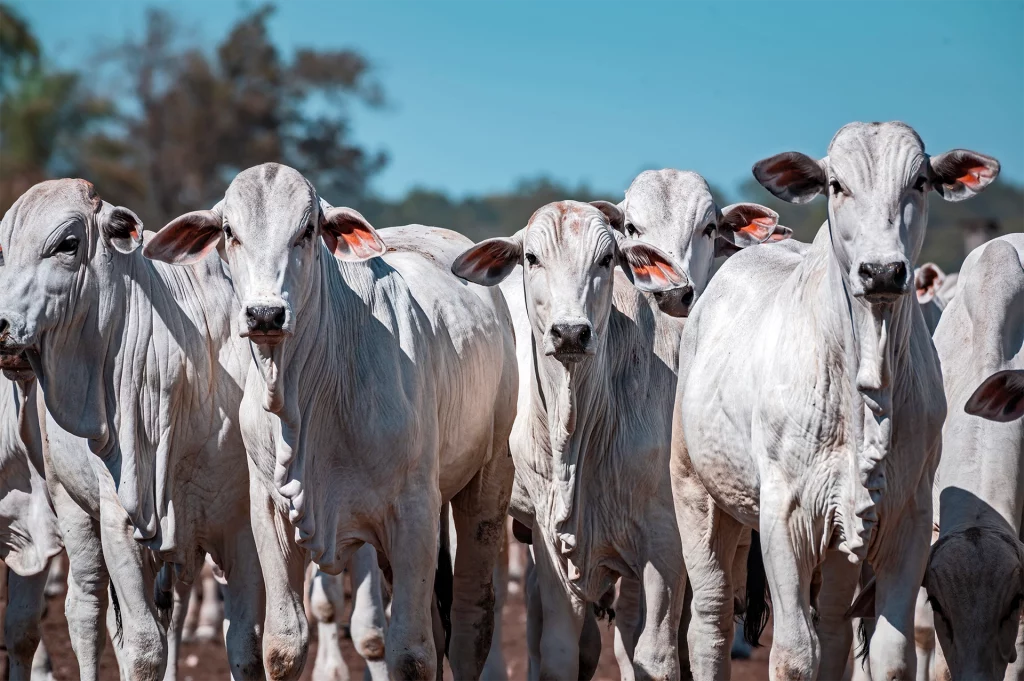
162	126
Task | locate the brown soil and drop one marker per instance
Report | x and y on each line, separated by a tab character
205	662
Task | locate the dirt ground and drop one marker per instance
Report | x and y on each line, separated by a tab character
205	662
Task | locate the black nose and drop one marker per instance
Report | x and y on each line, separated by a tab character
571	338
265	319
890	277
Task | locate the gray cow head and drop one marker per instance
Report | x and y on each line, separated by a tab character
268	229
674	211
568	251
876	177
63	247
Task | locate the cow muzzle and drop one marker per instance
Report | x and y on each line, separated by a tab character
570	342
676	302
15	345
266	321
882	280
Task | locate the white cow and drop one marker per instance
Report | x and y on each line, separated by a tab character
592	437
29	536
810	402
975	576
139	359
383	387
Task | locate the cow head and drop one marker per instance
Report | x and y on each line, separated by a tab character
876	177
673	210
62	247
268	228
975	585
568	251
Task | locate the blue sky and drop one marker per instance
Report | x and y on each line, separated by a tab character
483	94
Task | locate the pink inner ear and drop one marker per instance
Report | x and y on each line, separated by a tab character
973	177
759	228
652	272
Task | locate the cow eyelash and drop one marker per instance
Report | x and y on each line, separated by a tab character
631	229
606	260
227	231
709	230
308	234
531	259
921	184
68	245
835	187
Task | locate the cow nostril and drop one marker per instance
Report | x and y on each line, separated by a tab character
867	271
899	274
687	297
585	336
556	333
278	320
4	326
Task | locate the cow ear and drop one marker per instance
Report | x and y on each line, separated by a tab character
121	229
649	268
349	236
1000	397
960	174
490	261
188	238
780	233
746	224
864	604
791	176
928	279
616	217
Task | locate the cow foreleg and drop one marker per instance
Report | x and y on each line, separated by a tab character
709	540
563	616
86	601
179	610
244	607
899	570
789	567
839	578
412	552
285	632
627	624
327	603
664	591
495	668
479	512
22	632
368	625
143	646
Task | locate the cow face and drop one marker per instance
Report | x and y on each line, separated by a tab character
877	177
61	248
568	252
673	210
975	584
268	228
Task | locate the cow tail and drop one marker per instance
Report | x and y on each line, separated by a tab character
444	579
755	618
864	631
163	593
118	631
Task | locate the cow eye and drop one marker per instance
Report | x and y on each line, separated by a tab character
605	261
308	234
709	230
835	187
227	231
69	246
531	259
631	229
921	184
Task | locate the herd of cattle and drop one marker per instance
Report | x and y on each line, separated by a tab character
274	383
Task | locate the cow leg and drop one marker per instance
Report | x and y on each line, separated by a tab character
563	616
899	570
795	650
182	596
664	592
143	647
627	624
839	579
210	614
244	606
494	667
924	637
327	603
534	615
86	602
285	632
710	537
368	624
22	631
479	512
410	650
